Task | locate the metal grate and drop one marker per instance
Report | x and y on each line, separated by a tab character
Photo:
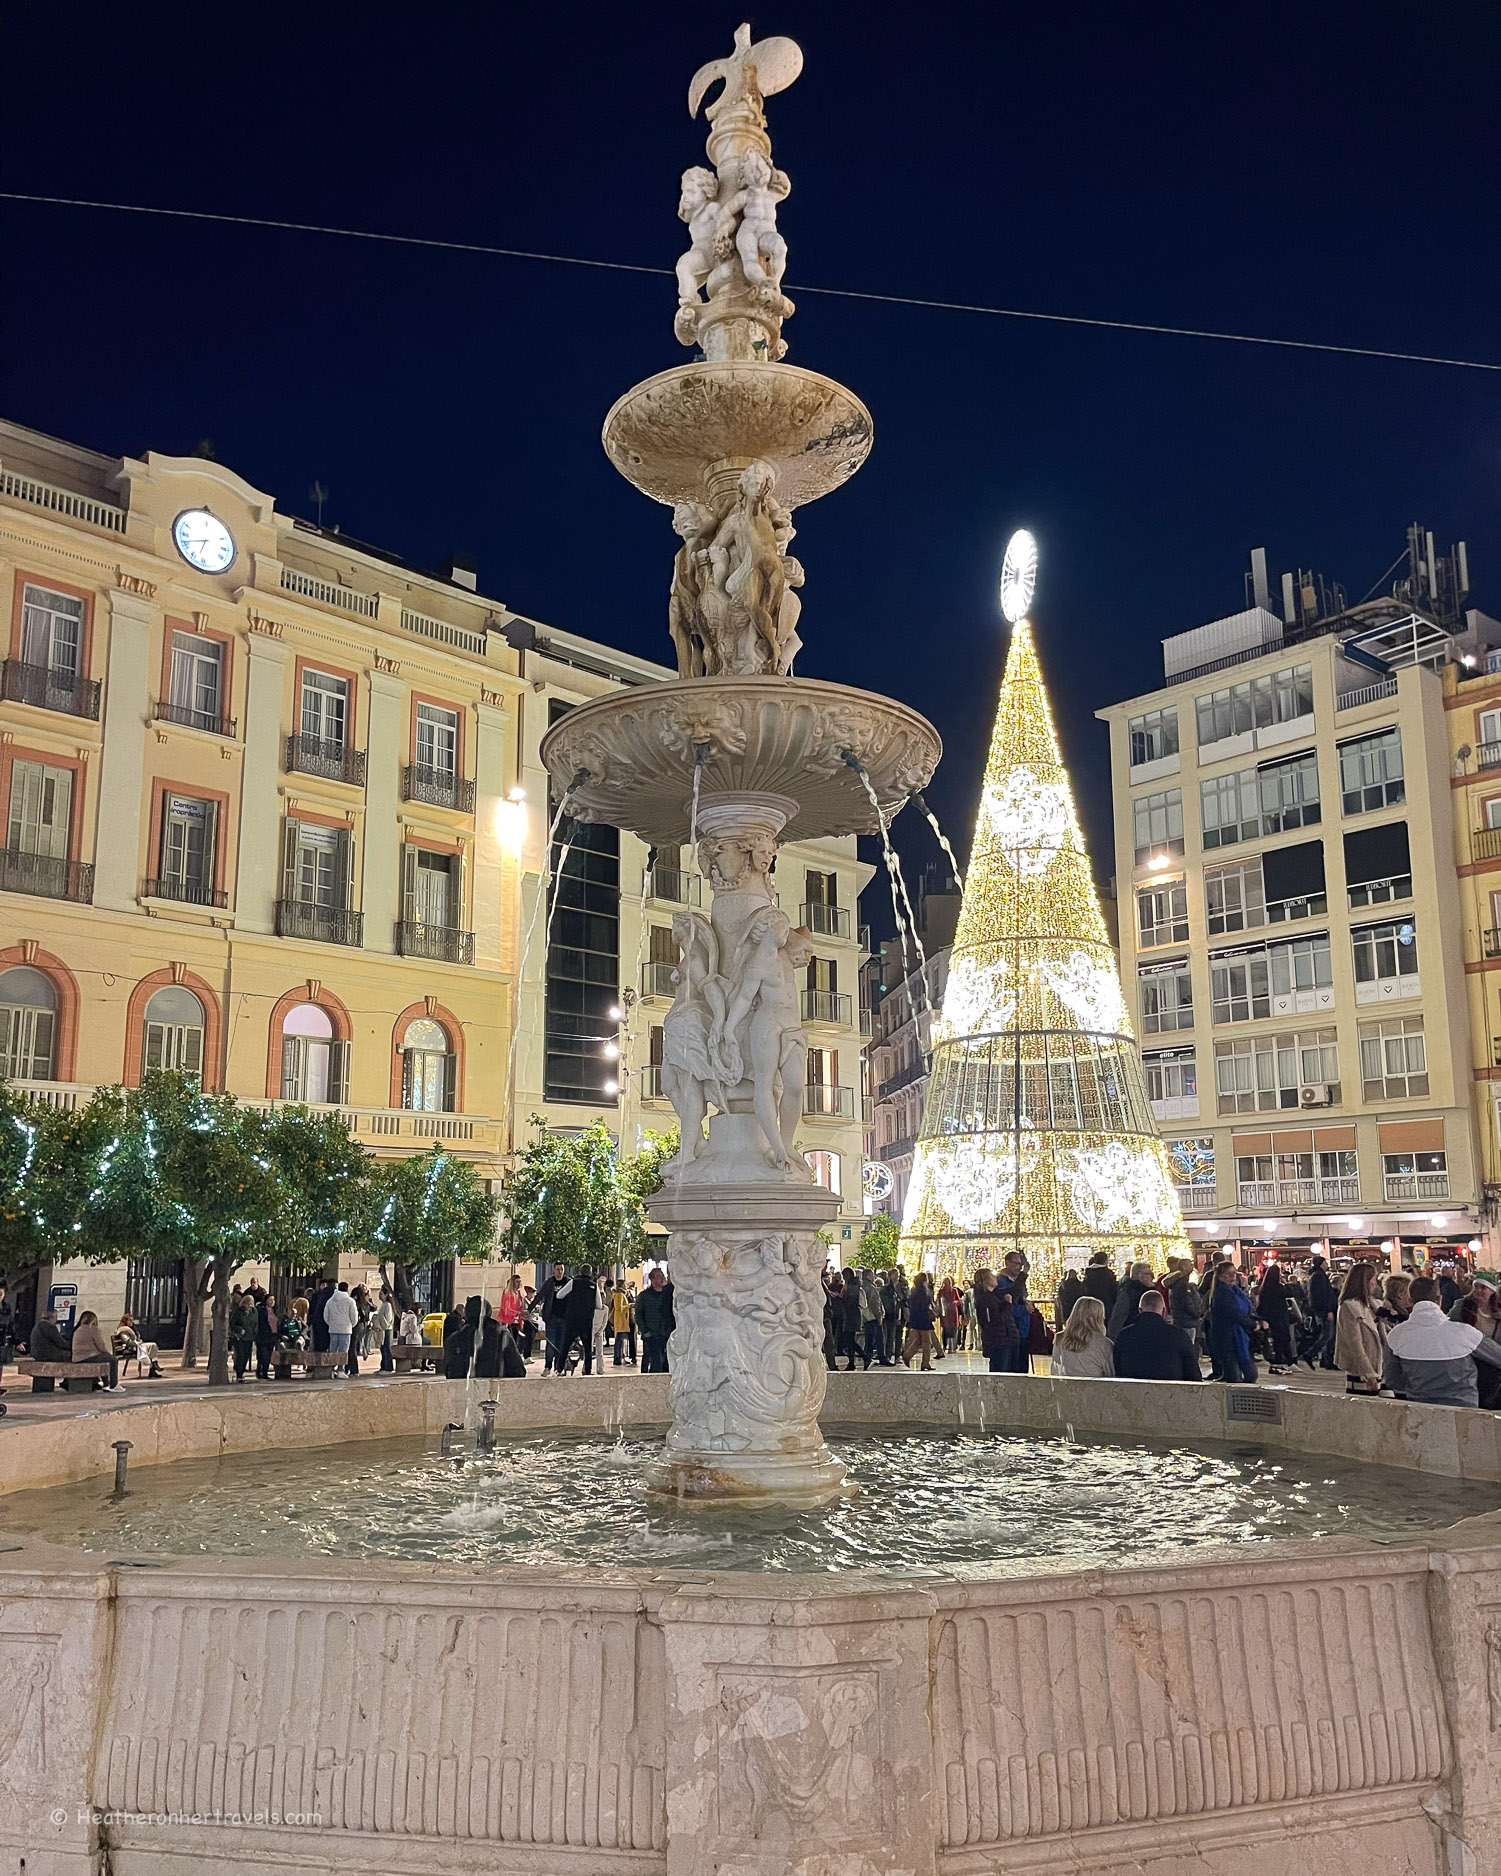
1253	1403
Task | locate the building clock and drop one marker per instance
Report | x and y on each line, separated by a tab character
203	540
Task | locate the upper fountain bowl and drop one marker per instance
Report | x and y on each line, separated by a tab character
782	736
679	434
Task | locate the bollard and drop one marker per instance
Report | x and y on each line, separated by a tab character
487	1425
122	1447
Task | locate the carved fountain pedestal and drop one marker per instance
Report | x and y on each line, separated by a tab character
740	755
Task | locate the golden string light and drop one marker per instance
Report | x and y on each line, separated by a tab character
1037	1134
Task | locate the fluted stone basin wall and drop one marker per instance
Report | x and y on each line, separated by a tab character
1329	1709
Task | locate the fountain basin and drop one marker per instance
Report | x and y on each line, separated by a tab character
778	736
1325	1703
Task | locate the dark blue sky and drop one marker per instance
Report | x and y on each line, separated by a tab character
1328	172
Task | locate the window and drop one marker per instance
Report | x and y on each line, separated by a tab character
427	1068
325	709
1378	866
438	740
1266	1073
1233	897
28	1025
431	888
1158	823
1167	999
1289	793
1489	752
174	1032
185	869
583	961
1239	990
196	695
1230	808
318	885
1415	1175
41	808
1153	736
1279	697
1294	882
1370	772
1162	914
1302	974
52	632
1330	1175
1386	960
825	1169
314	1067
1393	1059
1171	1078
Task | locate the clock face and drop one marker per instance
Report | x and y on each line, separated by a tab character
203	540
1018	575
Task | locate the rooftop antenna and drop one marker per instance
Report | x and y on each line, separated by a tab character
318	494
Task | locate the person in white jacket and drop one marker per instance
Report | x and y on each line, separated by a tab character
340	1313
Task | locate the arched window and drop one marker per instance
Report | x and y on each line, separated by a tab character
314	1066
825	1169
174	1031
427	1068
28	1025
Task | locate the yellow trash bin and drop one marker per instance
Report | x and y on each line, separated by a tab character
432	1328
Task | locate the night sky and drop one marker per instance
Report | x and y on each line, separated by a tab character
1328	172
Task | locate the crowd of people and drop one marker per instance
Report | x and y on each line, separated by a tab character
1433	1337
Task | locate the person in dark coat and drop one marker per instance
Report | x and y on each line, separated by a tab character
655	1320
1185	1303
1323	1306
48	1343
266	1324
7	1330
849	1320
1069	1292
1011	1287
315	1313
1128	1300
579	1305
1230	1319
1272	1308
996	1321
497	1354
1151	1349
1099	1280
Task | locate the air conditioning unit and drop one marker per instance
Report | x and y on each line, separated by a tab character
1316	1094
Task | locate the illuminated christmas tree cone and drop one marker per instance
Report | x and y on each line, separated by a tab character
1037	1135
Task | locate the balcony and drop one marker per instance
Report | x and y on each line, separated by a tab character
1485	843
324	924
1368	693
45	689
903	1078
651	1083
439	788
671	885
656	979
45	877
1417	1185
829	921
438	942
1291	1194
1194	1201
1175	1107
864	1020
190	718
1491	942
824	1101
899	1149
1488	755
828	1006
186	892
335	762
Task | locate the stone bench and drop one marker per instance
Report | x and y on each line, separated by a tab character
312	1361
408	1355
64	1371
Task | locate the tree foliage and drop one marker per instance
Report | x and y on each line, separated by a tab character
879	1246
576	1199
427	1207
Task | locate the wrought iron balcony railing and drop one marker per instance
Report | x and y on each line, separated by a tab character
439	942
335	762
192	718
46	689
439	788
46	877
326	924
186	892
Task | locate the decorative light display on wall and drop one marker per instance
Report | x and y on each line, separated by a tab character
1037	1135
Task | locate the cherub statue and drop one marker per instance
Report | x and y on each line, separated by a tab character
762	251
746	570
698	205
690	1075
696	524
788	642
765	990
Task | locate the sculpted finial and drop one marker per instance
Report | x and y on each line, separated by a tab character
751	74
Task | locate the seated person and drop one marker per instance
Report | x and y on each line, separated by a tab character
129	1346
89	1345
1149	1348
48	1342
1429	1358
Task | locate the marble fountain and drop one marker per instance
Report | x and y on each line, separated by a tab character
330	1695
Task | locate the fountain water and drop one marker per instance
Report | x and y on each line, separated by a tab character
738	755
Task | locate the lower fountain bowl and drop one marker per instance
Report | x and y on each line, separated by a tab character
751	1479
632	756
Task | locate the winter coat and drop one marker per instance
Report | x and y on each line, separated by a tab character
996	1320
654	1311
242	1321
89	1344
1357	1341
1185	1303
1127	1306
1014	1290
1151	1349
920	1310
1321	1297
50	1343
1099	1280
1428	1358
578	1308
1230	1317
1069	1292
1094	1362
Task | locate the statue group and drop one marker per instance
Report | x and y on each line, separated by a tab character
737	1019
734	604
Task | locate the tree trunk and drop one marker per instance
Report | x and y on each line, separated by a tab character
218	1346
197	1278
399	1280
